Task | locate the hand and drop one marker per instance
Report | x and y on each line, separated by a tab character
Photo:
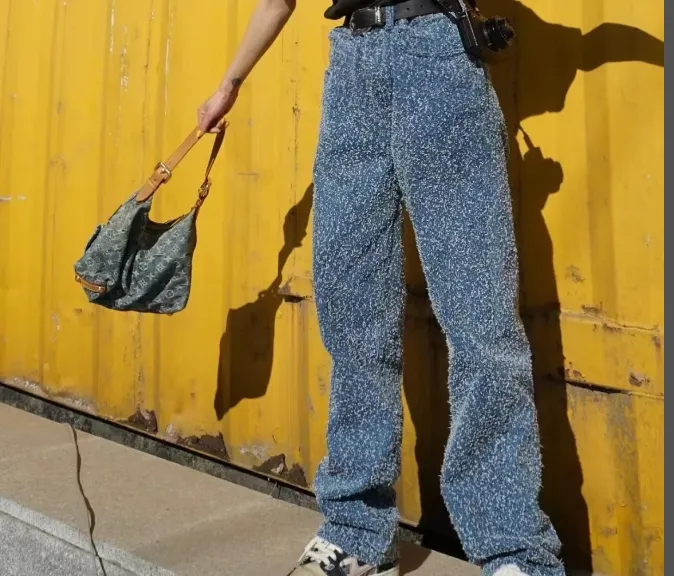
215	108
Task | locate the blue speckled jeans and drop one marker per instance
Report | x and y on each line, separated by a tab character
408	118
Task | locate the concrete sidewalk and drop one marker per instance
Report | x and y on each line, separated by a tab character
152	517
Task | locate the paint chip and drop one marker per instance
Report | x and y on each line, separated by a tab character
574	274
638	380
213	445
276	466
145	420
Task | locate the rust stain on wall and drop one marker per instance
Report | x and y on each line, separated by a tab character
145	420
209	444
276	466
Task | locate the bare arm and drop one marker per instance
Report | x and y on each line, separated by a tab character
266	23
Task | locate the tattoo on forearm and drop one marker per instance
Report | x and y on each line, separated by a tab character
236	82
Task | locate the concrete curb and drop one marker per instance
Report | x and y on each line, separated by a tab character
74	544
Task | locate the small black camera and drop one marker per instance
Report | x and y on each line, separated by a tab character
479	34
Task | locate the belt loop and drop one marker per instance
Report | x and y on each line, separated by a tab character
390	12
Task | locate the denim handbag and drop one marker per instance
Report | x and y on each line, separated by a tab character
134	264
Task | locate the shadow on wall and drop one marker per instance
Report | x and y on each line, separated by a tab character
535	79
247	345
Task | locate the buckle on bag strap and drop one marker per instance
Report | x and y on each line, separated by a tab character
164	170
205	187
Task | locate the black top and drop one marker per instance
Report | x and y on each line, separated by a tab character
341	8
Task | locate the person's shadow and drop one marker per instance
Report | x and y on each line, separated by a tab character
247	344
533	80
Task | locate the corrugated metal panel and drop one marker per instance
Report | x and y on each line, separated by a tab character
94	93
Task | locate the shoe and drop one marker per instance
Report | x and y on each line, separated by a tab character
509	570
320	558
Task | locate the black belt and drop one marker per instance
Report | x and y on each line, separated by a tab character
365	18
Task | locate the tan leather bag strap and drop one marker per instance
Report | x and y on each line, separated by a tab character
164	170
206	185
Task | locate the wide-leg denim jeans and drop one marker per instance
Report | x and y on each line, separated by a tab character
409	120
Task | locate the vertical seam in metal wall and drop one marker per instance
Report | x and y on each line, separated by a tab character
3	95
160	118
600	200
226	301
60	132
142	374
101	178
49	204
3	68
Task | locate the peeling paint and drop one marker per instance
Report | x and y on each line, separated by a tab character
575	374
610	327
144	420
64	397
592	310
171	433
323	385
276	466
574	274
257	451
637	379
56	323
213	445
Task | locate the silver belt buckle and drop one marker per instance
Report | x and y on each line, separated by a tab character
378	21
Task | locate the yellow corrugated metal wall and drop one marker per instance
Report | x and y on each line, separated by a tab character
94	92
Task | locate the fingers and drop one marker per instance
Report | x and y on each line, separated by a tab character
205	118
220	126
211	116
202	120
208	122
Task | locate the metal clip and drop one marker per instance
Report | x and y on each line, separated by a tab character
203	193
164	170
204	189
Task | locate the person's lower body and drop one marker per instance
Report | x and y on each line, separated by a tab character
409	120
